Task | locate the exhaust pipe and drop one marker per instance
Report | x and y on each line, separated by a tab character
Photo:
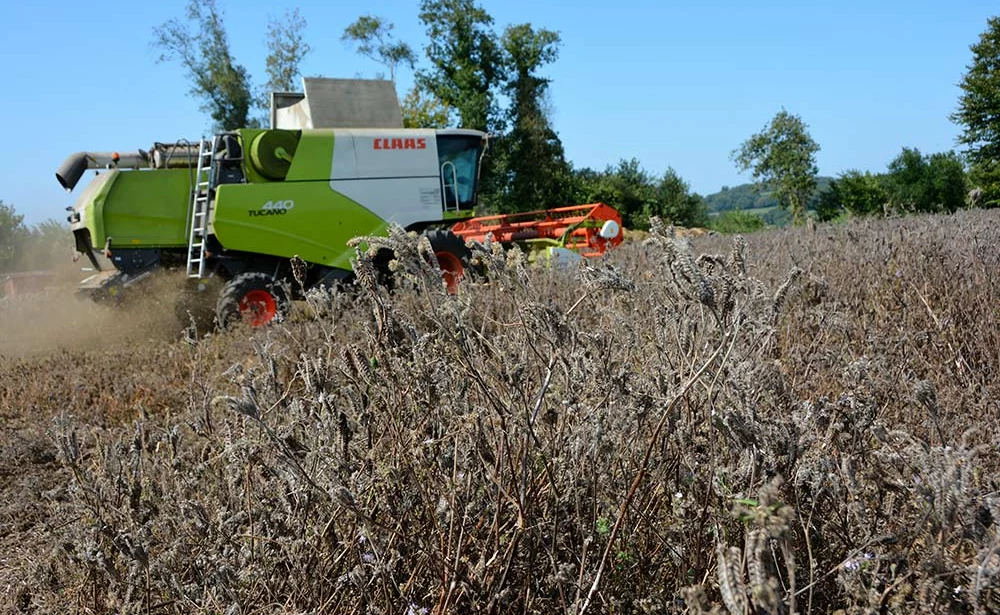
70	172
178	155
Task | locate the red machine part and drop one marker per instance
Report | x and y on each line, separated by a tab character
577	228
258	307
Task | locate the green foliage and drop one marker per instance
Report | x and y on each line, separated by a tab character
471	69
907	180
27	248
979	105
626	187
986	177
776	216
466	61
527	49
675	203
373	37
285	52
590	186
421	110
201	45
918	183
782	158
948	181
466	75
634	192
861	194
47	245
979	114
914	183
637	195
828	206
537	174
737	222
12	235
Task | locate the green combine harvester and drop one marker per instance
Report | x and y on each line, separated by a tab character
238	206
246	207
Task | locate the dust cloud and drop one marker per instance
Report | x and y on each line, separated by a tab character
56	319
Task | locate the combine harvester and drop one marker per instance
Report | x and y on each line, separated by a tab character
238	206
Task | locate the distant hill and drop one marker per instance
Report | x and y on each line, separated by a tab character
746	197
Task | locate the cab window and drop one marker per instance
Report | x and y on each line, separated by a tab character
458	160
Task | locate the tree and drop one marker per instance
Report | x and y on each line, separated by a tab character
466	64
979	111
634	193
918	183
590	186
782	158
46	244
627	187
285	51
12	236
421	110
201	45
638	195
536	169
861	194
828	205
948	182
465	75
907	181
986	177
676	204
373	37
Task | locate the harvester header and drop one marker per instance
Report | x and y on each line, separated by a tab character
588	230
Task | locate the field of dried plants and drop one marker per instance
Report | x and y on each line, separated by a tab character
801	421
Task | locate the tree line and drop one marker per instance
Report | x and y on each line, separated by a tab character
475	75
913	183
471	74
24	247
782	158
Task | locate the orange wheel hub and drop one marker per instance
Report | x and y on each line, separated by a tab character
258	307
452	270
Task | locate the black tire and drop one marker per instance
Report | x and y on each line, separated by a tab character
452	254
255	298
443	240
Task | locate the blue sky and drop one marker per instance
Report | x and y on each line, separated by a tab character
673	84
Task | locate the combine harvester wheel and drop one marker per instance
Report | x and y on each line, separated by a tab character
452	256
254	298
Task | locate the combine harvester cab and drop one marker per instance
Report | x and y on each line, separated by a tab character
240	205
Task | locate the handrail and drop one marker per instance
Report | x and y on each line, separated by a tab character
454	184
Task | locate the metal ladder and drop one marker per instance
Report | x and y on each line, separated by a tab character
201	207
